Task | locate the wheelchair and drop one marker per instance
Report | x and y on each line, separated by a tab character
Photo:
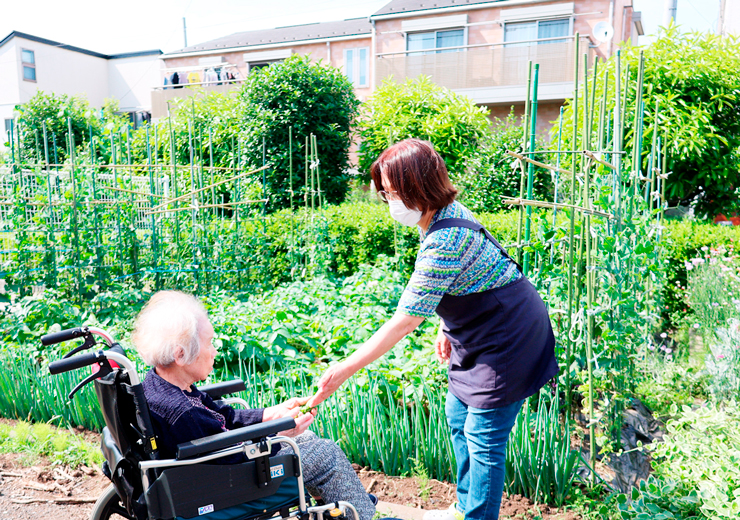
147	487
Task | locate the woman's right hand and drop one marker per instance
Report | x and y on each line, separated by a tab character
442	347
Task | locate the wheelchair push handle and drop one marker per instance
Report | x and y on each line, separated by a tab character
63	335
73	363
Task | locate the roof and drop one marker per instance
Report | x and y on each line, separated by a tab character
64	46
293	33
409	6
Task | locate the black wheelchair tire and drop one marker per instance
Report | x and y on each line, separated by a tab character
108	504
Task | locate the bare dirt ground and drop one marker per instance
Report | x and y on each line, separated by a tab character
33	489
433	494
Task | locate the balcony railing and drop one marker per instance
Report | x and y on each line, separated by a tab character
486	65
161	95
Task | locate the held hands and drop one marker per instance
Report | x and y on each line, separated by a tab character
442	347
291	408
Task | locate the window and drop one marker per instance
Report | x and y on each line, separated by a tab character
28	60
8	125
427	41
527	31
254	65
356	66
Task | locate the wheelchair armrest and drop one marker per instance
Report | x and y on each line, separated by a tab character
253	433
217	390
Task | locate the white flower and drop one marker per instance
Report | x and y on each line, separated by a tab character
663	335
705	248
688	265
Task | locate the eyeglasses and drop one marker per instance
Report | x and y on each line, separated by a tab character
386	196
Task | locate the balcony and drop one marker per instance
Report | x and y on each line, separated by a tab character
490	73
162	95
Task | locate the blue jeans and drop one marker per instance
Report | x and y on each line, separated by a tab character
479	440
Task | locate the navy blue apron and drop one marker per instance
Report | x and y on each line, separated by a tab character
503	347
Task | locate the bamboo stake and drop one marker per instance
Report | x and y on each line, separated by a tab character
530	172
520	222
538	163
571	231
513	201
219	183
124	190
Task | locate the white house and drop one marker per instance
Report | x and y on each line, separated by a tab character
29	64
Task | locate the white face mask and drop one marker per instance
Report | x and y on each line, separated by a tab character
404	215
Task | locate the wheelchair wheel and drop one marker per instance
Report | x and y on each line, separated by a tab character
109	506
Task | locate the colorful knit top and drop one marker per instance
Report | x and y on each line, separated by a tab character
456	261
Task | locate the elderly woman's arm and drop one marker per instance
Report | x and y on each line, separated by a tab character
393	331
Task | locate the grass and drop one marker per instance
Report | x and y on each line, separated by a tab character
42	439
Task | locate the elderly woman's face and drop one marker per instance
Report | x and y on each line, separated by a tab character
199	369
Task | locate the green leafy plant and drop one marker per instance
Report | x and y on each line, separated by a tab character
702	451
655	499
419	108
307	98
490	174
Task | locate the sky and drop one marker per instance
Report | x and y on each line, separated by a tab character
135	25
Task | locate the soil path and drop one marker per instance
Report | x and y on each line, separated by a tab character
33	489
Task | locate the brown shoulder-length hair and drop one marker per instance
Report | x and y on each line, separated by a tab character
417	172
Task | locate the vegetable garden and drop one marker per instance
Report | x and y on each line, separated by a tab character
89	229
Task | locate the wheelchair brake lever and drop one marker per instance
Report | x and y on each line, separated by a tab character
103	371
89	343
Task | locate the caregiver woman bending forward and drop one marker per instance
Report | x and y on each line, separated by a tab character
495	332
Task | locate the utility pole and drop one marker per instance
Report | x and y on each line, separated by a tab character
670	12
184	31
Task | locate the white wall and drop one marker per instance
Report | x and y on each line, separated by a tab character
131	80
9	94
64	72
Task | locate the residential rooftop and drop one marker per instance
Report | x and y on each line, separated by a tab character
410	6
31	37
289	34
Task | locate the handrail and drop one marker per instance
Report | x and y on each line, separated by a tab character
201	84
479	45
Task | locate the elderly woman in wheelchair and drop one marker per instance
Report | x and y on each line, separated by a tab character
174	451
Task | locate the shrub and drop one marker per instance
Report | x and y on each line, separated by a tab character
491	175
213	120
419	108
309	98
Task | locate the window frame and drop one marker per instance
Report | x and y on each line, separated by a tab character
537	21
435	50
356	66
27	65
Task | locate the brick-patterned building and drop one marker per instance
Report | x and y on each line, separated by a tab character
479	48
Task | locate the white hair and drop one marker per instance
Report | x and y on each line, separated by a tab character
167	329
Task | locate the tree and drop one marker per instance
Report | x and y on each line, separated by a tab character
419	108
55	111
695	78
309	98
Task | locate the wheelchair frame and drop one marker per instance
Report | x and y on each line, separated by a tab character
252	441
